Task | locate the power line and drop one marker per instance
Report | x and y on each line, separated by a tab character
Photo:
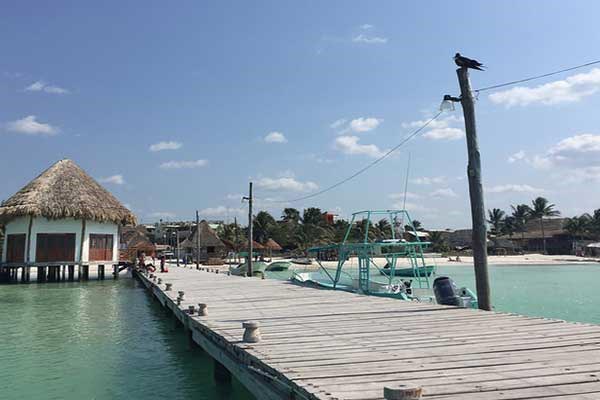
535	77
368	166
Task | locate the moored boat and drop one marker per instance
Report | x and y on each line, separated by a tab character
258	267
279	266
409	272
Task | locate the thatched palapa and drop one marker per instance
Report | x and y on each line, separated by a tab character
65	191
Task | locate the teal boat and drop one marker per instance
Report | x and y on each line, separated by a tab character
258	267
357	268
279	266
409	272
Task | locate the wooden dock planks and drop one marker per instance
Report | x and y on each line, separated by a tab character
322	344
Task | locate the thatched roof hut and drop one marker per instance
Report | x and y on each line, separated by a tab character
208	237
65	191
62	216
273	245
135	241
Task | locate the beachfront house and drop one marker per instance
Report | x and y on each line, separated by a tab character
62	217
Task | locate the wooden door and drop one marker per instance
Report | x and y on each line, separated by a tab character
101	247
52	247
15	248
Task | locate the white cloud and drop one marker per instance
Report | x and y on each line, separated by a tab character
114	179
400	196
444	134
234	196
40	86
519	155
569	90
439	129
183	164
444	192
366	26
574	159
414	207
350	145
221	211
362	38
338	123
170	145
434	180
364	124
162	214
513	188
30	126
286	183
275	137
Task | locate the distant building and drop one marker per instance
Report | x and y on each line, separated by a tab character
62	216
558	239
134	242
210	244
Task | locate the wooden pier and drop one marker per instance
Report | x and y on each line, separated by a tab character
321	344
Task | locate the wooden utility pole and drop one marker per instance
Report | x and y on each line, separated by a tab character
177	239
476	193
197	240
250	243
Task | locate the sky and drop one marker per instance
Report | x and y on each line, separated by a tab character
176	106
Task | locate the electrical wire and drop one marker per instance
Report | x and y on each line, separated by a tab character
366	167
483	89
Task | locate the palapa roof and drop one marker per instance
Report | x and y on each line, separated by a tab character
208	237
273	245
533	230
65	191
134	237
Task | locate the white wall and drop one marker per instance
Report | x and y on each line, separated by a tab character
67	225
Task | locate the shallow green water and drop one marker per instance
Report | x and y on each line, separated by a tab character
570	292
97	340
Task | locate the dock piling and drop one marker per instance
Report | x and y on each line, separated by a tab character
251	331
402	392
202	310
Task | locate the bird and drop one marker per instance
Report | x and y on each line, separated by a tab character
465	62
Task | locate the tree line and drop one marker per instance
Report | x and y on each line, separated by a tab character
296	230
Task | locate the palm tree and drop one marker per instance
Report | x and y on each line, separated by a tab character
290	215
520	213
539	209
496	218
438	244
509	226
263	226
384	228
577	226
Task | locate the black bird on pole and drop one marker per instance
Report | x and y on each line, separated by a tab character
465	62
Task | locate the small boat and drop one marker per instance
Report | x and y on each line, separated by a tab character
279	266
258	267
302	261
409	272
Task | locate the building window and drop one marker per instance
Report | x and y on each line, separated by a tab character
51	247
101	247
15	248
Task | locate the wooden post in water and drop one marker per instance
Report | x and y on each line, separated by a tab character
476	193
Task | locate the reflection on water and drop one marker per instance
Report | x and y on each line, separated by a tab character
98	340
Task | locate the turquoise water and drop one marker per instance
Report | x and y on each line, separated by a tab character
98	340
570	292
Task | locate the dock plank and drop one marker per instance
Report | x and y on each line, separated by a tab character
322	344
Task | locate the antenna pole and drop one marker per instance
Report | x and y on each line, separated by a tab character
479	243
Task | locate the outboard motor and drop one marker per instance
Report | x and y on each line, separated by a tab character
446	292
